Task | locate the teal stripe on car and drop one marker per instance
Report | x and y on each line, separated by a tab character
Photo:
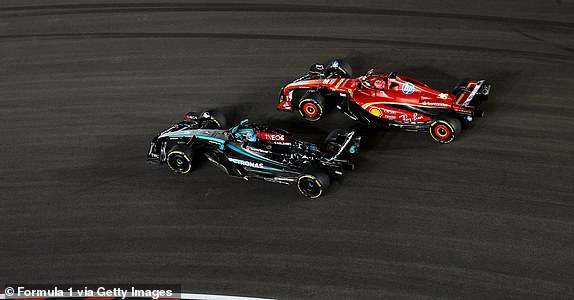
209	138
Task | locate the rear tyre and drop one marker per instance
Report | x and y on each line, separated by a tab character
212	119
181	159
445	129
312	106
313	182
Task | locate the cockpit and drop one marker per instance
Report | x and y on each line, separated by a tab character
259	136
246	134
373	81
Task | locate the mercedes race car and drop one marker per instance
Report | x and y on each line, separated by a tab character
257	151
389	99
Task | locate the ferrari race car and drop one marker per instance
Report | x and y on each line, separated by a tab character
389	99
256	151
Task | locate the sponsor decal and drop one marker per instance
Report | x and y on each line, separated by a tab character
439	104
375	111
407	119
272	136
408	88
245	163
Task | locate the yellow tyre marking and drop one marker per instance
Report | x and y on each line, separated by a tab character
216	122
452	136
184	156
317	104
316	181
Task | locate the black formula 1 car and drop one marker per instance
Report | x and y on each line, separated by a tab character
257	151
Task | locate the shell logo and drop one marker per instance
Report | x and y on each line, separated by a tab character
375	112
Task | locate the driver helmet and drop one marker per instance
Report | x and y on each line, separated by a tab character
379	84
247	134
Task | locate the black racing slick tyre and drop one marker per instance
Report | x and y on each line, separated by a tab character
339	69
212	119
445	129
313	182
181	159
312	106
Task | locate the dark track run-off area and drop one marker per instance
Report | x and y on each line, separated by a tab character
85	85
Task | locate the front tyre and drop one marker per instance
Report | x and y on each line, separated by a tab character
212	119
339	69
313	182
445	129
181	159
312	106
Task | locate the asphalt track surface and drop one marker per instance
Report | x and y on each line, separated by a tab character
85	85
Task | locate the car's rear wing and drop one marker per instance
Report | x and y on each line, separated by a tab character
473	94
348	147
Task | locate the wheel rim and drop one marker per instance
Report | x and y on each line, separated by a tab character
310	186
179	162
442	131
311	110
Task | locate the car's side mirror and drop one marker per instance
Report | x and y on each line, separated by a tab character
393	85
317	68
243	122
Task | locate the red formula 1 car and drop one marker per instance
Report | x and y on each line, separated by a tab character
388	99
